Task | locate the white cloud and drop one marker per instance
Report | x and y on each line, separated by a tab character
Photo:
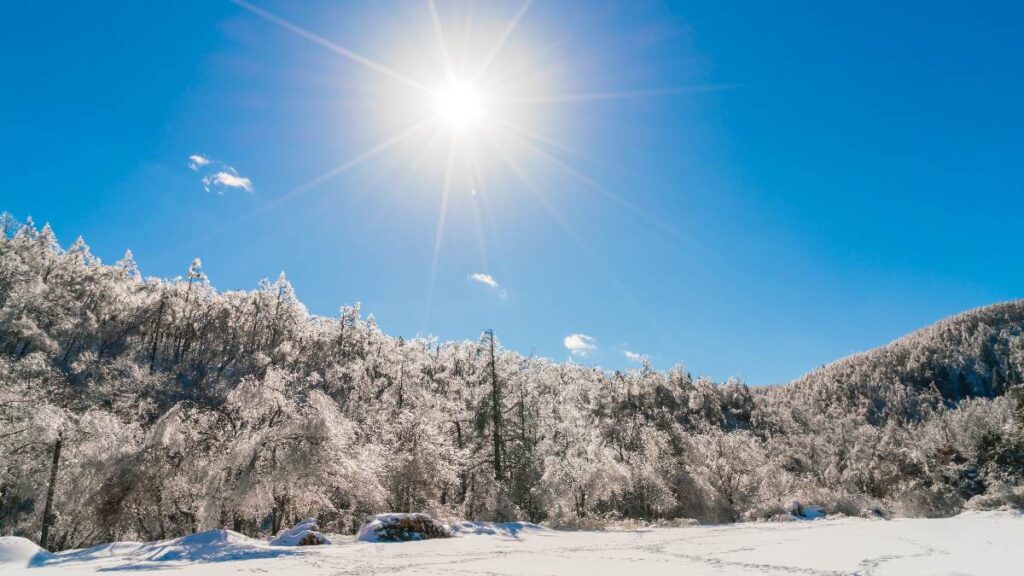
217	176
222	180
197	161
485	279
580	344
634	356
489	281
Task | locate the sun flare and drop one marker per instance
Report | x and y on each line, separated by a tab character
459	104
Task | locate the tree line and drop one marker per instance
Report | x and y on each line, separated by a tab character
145	408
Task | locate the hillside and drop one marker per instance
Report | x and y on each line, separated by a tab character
977	353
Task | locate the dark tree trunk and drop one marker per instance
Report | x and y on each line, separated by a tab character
463	476
280	509
156	335
495	410
48	510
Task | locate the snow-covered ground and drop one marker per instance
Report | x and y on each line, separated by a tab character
976	543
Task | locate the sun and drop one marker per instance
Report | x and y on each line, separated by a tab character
469	99
459	104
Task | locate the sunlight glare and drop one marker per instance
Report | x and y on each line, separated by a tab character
459	104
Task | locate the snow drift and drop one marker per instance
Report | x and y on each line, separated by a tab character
20	552
209	546
201	547
471	528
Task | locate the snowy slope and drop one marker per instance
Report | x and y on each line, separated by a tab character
977	543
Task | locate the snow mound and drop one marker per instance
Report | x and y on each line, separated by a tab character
305	533
208	546
211	545
396	527
471	528
20	552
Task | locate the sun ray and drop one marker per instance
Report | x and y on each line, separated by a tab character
386	199
466	31
446	61
597	187
684	257
501	41
439	232
352	162
477	179
575	237
427	147
537	137
337	48
521	174
618	95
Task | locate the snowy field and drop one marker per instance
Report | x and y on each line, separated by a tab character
976	543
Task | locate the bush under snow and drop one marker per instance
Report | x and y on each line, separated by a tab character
305	533
402	528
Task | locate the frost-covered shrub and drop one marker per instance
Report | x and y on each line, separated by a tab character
419	462
561	522
487	499
999	497
731	468
851	505
936	501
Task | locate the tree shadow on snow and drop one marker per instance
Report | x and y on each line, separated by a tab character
510	529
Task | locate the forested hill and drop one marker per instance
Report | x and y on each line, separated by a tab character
978	353
141	408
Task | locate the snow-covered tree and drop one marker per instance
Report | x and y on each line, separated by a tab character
135	407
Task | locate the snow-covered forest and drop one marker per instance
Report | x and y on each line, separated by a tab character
140	408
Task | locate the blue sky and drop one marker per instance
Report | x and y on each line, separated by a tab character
817	180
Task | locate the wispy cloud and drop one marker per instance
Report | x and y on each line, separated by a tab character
488	280
197	161
218	176
217	182
580	344
634	356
